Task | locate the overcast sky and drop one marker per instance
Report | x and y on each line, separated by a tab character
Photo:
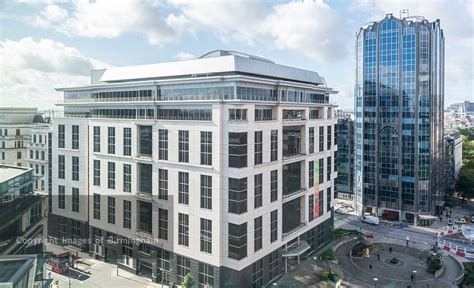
48	44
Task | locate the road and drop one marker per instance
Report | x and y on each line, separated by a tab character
418	235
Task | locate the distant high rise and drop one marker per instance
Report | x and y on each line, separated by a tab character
399	93
345	155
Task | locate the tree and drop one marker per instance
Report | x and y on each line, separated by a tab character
188	281
465	183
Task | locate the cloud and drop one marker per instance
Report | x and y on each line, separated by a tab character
111	19
184	56
32	69
301	27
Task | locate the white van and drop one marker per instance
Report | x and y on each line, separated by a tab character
371	220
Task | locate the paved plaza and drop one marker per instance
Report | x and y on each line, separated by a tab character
365	269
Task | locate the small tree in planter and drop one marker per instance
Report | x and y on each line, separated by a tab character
188	281
394	260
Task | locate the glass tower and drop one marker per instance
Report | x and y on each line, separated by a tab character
399	94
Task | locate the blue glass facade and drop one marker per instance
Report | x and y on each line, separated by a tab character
399	93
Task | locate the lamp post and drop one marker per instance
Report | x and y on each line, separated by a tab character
414	277
375	281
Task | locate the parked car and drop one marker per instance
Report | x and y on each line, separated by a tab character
461	221
371	220
450	222
472	218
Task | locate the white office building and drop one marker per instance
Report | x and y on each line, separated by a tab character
222	167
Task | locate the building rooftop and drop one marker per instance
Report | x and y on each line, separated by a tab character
214	63
7	172
13	268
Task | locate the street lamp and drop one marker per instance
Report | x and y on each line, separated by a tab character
375	281
414	278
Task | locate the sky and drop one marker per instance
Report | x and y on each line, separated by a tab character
50	44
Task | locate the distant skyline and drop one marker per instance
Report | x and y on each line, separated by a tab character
50	44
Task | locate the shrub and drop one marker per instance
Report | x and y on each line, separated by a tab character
325	275
434	264
328	255
340	232
358	249
334	277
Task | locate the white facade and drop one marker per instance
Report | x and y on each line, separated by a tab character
293	114
15	127
36	155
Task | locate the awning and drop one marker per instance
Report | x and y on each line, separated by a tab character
427	217
297	249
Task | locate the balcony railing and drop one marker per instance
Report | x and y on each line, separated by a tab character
293	231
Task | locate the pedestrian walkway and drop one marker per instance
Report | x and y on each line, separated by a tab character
378	269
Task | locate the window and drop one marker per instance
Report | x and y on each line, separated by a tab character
328	168
273	265
321	138
206	235
311	173
42	155
145	178
258	147
127	178
17	132
321	203
75	168
237	241
258	198
183	229
127	214
61	227
329	137
273	226
162	184
76	229
31	154
183	267
96	206
37	154
163	224
274	185
206	148
162	144
237	195
75	137
111	140
238	114
328	199
257	274
111	175
263	114
145	140
110	210
321	171
257	234
274	146
96	139
61	197
183	146
127	141
238	150
310	207
206	192
206	275
183	188
18	155
96	173
311	140
75	200
145	214
61	135
61	166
